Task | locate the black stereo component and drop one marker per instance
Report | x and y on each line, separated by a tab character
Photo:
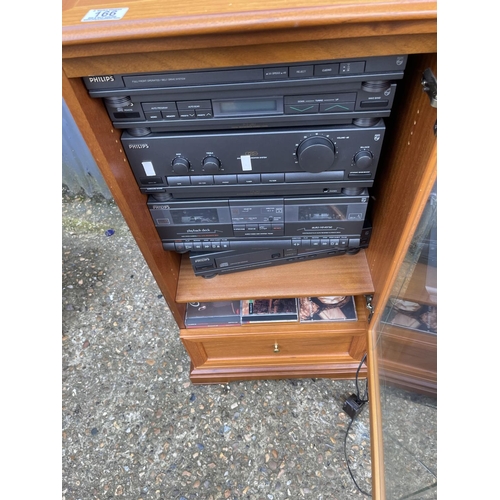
311	161
210	264
330	92
328	222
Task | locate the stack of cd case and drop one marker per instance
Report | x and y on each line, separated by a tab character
250	311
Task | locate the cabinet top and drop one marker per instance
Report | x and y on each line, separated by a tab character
87	22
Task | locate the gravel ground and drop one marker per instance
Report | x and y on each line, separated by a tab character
133	425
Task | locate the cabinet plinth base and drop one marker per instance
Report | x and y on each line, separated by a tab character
235	373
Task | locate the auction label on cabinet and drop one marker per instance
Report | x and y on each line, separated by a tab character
104	14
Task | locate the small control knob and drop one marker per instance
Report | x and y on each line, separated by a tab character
363	160
180	165
316	154
211	164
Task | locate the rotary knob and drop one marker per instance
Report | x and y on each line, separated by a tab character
180	165
211	164
316	154
363	160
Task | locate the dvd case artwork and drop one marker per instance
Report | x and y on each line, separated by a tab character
411	315
223	313
332	308
262	310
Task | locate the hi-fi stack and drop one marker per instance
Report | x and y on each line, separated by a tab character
247	167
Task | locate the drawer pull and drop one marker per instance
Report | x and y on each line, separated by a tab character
276	347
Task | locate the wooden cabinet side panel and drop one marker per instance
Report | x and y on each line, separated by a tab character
405	177
104	144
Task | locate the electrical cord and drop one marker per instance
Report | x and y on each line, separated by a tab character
358	403
365	397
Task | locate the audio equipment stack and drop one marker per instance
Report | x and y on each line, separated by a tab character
253	166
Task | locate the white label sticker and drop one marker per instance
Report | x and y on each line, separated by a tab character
246	163
104	15
148	168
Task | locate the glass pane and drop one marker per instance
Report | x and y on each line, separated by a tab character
407	358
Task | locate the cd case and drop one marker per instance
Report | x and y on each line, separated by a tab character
223	313
331	308
264	310
411	315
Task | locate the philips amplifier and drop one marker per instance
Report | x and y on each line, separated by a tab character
329	92
291	161
334	222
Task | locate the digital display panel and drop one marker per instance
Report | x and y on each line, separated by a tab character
247	107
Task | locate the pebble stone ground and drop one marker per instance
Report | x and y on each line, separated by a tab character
135	427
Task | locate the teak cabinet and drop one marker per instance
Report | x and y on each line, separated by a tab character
164	36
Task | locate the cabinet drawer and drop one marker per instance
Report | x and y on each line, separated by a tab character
278	355
275	348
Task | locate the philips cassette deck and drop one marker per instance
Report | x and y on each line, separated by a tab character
212	225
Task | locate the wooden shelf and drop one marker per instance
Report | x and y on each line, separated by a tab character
338	275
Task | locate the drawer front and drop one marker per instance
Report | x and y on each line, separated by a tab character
277	356
276	347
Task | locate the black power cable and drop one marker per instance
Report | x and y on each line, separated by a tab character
353	406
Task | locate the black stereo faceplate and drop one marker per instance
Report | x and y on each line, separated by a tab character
256	163
333	92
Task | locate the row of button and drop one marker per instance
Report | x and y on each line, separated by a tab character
176	110
309	70
200	245
277	229
278	178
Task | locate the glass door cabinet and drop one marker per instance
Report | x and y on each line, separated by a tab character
405	352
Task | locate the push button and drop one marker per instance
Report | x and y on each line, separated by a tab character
381	103
170	115
225	179
275	73
153	115
326	69
148	181
188	105
352	67
301	109
178	181
339	107
204	113
249	179
272	178
158	106
300	71
202	180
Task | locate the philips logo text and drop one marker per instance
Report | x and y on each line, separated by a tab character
101	79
